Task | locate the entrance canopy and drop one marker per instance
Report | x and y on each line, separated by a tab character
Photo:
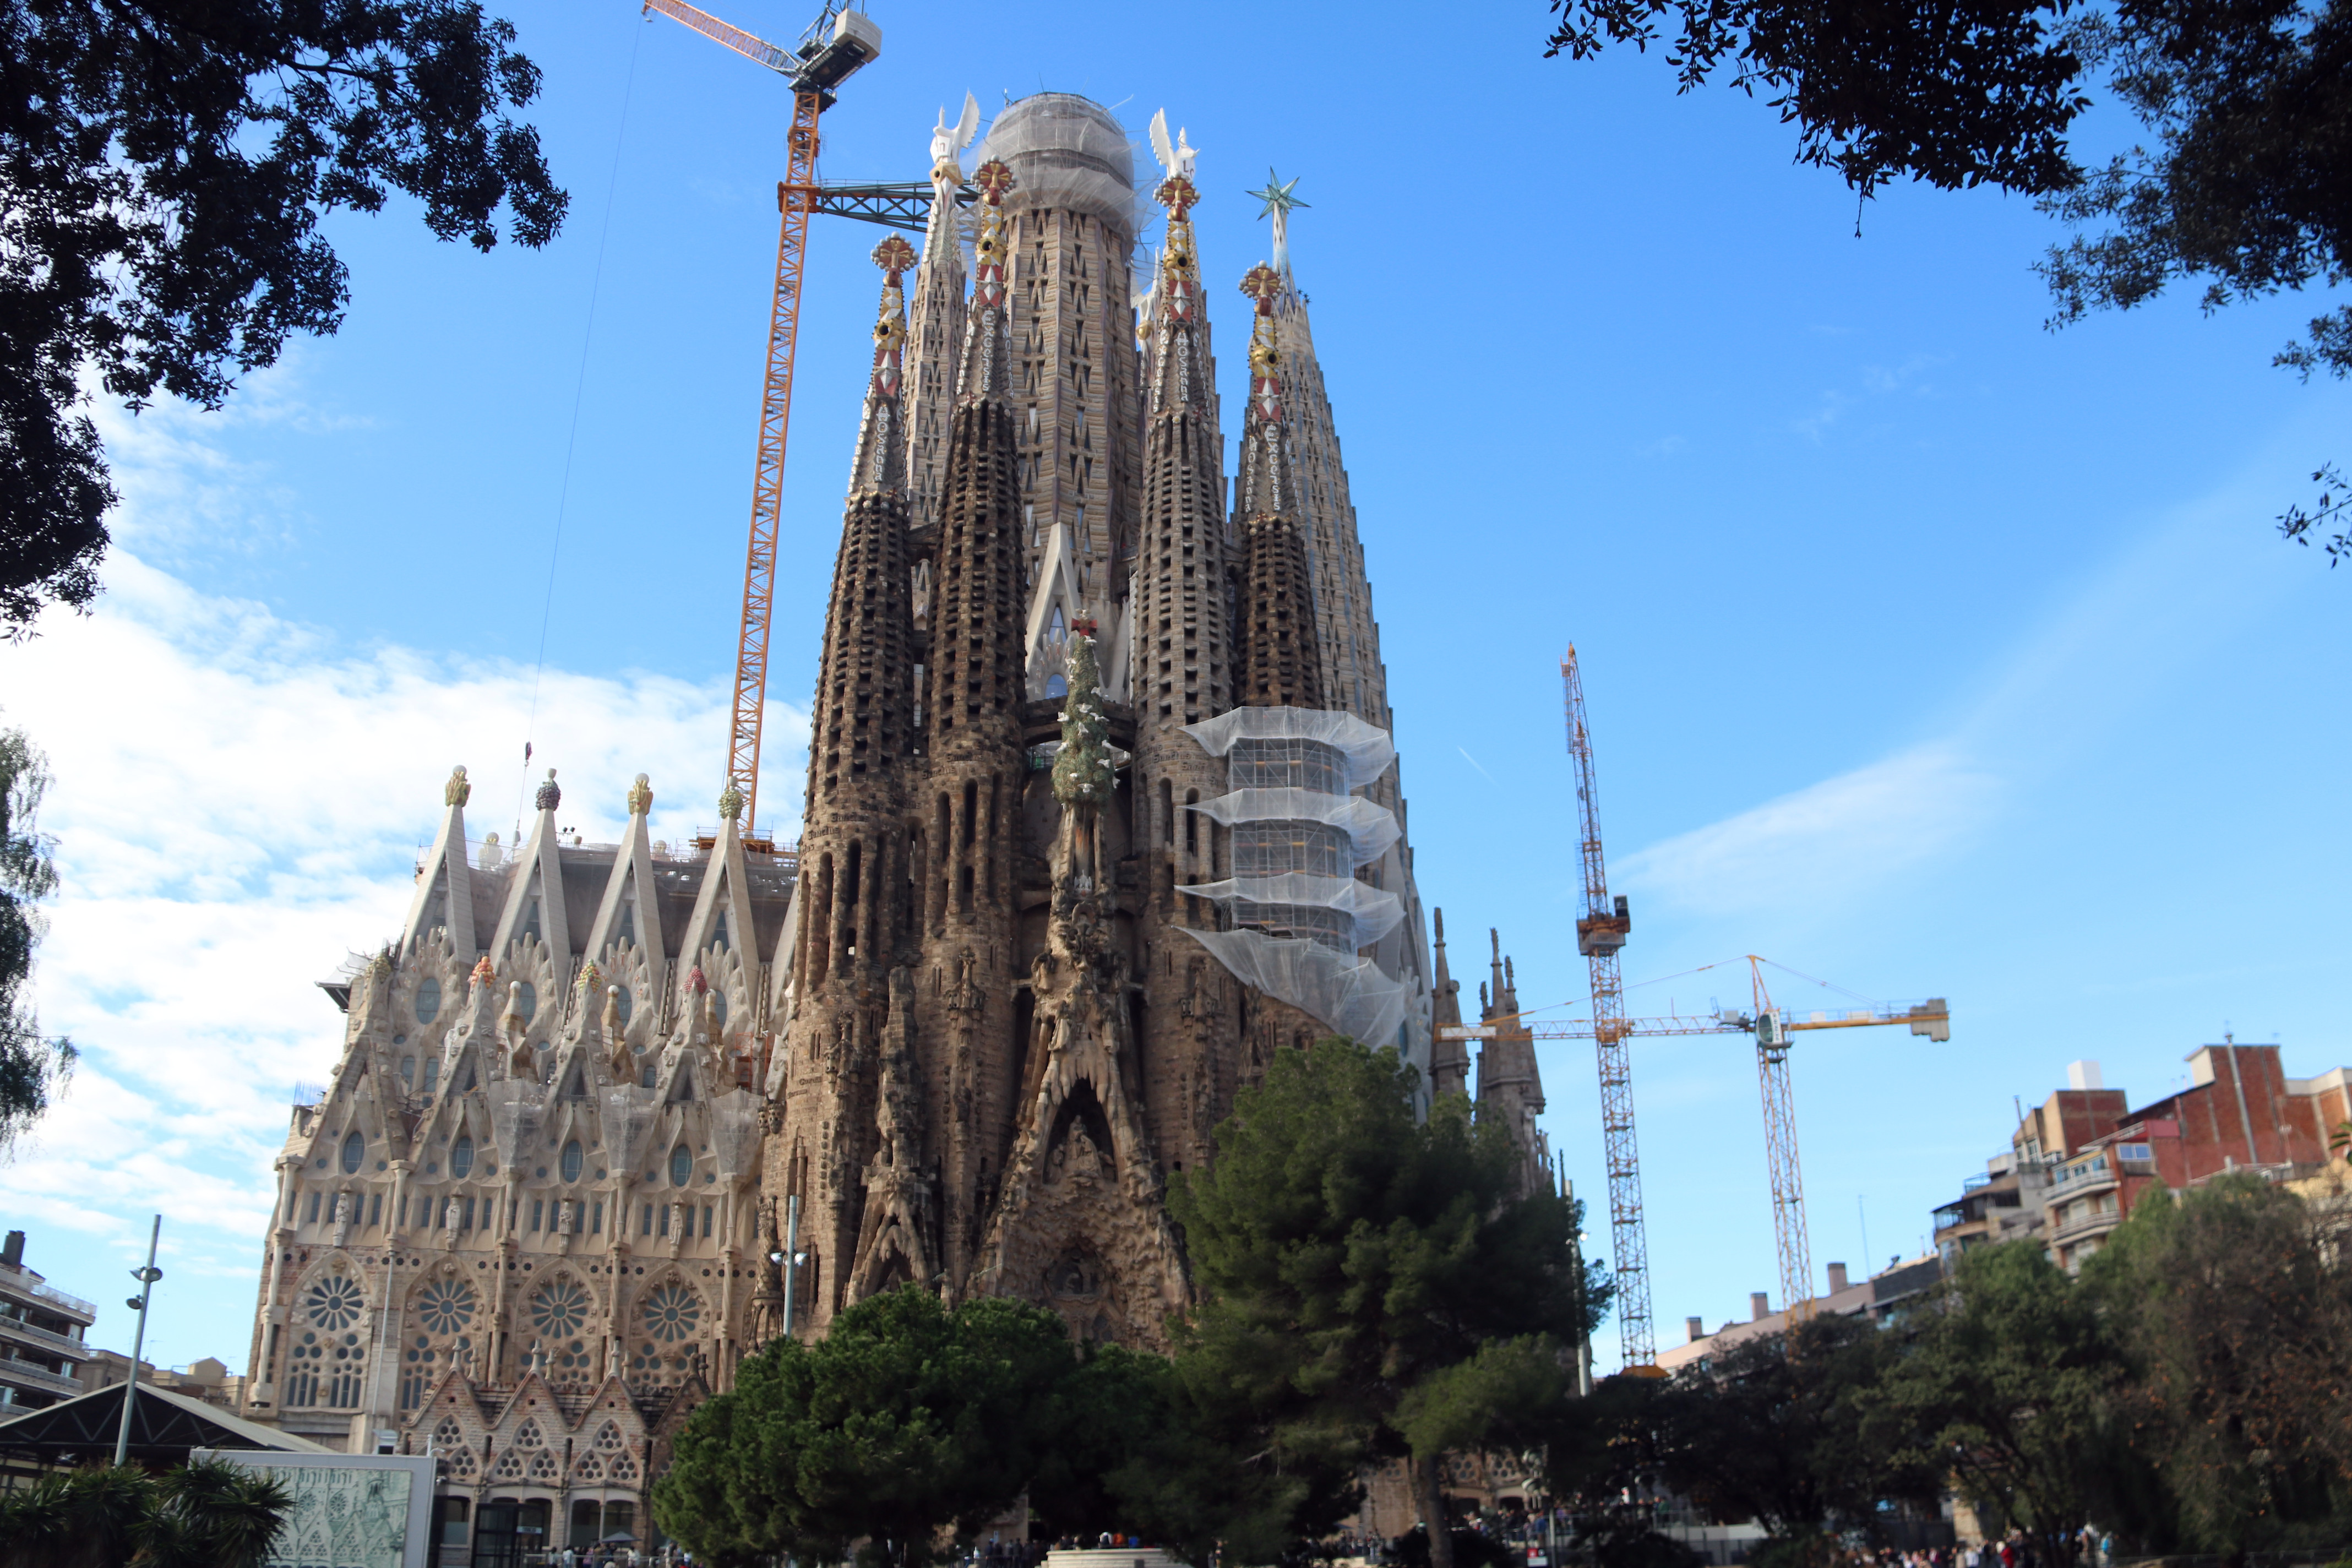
164	1428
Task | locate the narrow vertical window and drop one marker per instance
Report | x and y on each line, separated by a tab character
706	1220
664	1219
311	1217
646	1221
375	1211
538	1206
596	1219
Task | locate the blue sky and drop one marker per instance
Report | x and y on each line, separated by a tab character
1928	651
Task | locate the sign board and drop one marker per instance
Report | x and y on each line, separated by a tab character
1466	1032
350	1510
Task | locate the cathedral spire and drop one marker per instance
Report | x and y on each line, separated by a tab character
1276	663
880	466
987	374
1180	369
936	344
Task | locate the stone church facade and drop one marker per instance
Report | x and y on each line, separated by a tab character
1102	810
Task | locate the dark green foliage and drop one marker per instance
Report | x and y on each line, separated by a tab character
2238	1336
2007	1386
1472	1549
1364	1276
904	1420
1603	1458
32	1069
204	1515
164	167
1977	92
1760	1435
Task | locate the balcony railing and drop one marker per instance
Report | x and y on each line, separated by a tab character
64	1344
26	1375
2086	1224
18	1280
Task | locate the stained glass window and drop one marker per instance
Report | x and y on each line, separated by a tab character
672	1312
560	1308
429	1000
573	1156
354	1151
681	1165
461	1155
335	1303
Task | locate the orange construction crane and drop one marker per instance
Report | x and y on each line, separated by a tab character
839	42
1772	1027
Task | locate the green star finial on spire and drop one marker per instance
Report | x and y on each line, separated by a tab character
1276	195
1278	202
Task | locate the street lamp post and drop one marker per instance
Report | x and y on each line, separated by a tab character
146	1278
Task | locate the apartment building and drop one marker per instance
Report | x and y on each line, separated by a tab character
41	1330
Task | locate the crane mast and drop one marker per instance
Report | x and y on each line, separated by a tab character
1771	1028
1601	931
836	44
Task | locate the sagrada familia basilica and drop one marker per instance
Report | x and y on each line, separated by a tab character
1102	810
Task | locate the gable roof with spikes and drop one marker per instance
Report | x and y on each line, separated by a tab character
634	883
726	891
447	877
539	872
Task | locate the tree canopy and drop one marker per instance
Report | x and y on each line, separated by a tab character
32	1067
164	166
905	1419
1373	1286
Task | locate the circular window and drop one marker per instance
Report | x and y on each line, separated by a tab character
671	1314
461	1155
527	1001
335	1303
560	1308
681	1165
354	1151
573	1156
446	1306
622	1005
429	1000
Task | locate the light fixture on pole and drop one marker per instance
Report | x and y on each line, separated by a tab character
146	1278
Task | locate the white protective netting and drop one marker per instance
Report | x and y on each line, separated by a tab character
1346	992
1365	913
1370	828
1365	749
517	1110
629	1113
735	1132
1064	152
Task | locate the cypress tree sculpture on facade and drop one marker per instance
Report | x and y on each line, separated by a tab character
1083	780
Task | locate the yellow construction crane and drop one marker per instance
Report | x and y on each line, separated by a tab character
1771	1028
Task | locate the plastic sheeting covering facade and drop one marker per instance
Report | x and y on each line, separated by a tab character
1297	833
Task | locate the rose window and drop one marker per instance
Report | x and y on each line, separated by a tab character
446	1306
335	1303
560	1308
672	1312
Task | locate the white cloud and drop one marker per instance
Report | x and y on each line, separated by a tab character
239	802
1823	843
